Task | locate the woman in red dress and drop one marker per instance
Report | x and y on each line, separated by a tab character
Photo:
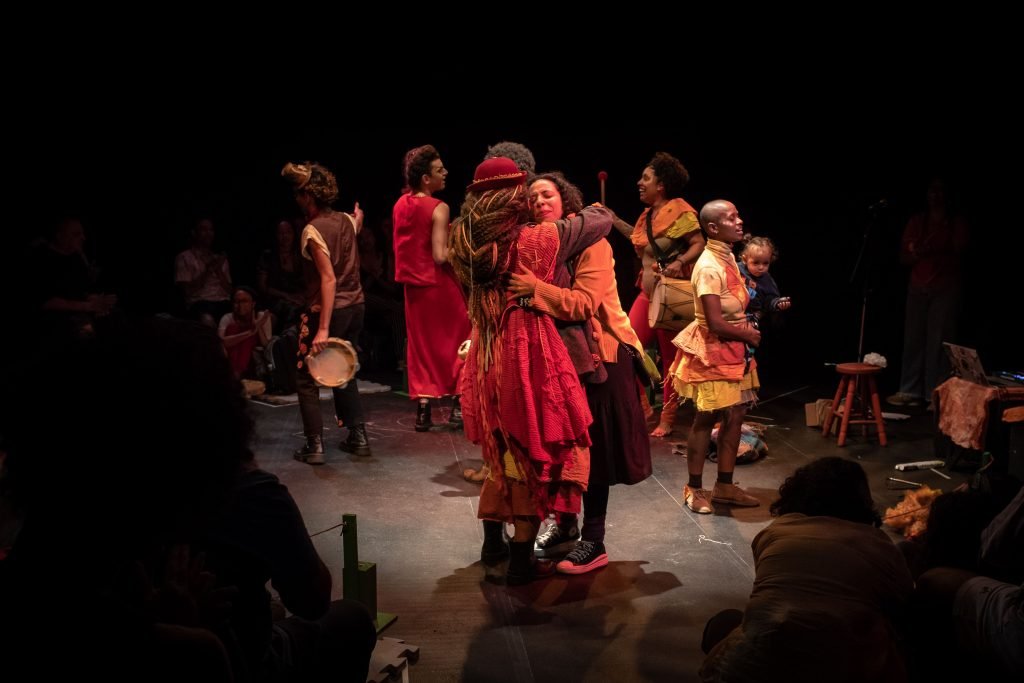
522	400
435	308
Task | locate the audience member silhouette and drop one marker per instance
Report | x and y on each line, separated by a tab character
243	330
280	276
260	537
204	276
932	247
64	284
972	605
830	590
99	582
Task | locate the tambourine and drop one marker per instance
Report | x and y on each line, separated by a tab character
336	365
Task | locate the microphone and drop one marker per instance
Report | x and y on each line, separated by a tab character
879	205
602	176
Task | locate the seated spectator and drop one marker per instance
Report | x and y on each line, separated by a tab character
974	606
829	590
141	604
280	277
64	292
131	606
262	537
243	330
204	277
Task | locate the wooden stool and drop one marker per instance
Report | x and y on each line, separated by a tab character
857	381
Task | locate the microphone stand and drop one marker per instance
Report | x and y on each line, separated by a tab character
860	269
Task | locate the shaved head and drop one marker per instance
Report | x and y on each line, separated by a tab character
713	211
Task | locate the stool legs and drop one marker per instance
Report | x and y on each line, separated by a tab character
853	387
826	429
876	410
844	426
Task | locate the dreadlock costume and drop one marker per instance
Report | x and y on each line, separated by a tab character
522	399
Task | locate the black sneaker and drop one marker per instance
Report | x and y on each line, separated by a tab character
585	557
554	540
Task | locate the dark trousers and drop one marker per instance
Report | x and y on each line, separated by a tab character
346	323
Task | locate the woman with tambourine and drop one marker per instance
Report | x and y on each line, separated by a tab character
668	239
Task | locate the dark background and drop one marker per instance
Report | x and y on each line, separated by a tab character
807	184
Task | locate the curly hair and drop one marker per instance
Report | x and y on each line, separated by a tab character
313	179
572	198
514	151
417	164
830	487
481	251
671	173
759	243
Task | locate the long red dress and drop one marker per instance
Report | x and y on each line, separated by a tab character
436	322
529	401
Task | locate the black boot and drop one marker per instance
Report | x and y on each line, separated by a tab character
495	549
357	442
455	419
523	566
423	423
312	452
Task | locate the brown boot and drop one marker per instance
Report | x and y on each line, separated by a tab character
731	494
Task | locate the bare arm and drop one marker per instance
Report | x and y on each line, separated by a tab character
622	226
723	329
264	327
439	234
328	285
695	246
357	218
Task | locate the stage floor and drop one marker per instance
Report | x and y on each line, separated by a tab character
638	619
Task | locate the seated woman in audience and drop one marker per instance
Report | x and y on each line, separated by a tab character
243	330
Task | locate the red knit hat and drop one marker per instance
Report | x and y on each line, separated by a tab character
496	173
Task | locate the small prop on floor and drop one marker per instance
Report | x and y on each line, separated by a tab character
910	515
904	482
253	387
391	659
360	578
752	444
919	465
